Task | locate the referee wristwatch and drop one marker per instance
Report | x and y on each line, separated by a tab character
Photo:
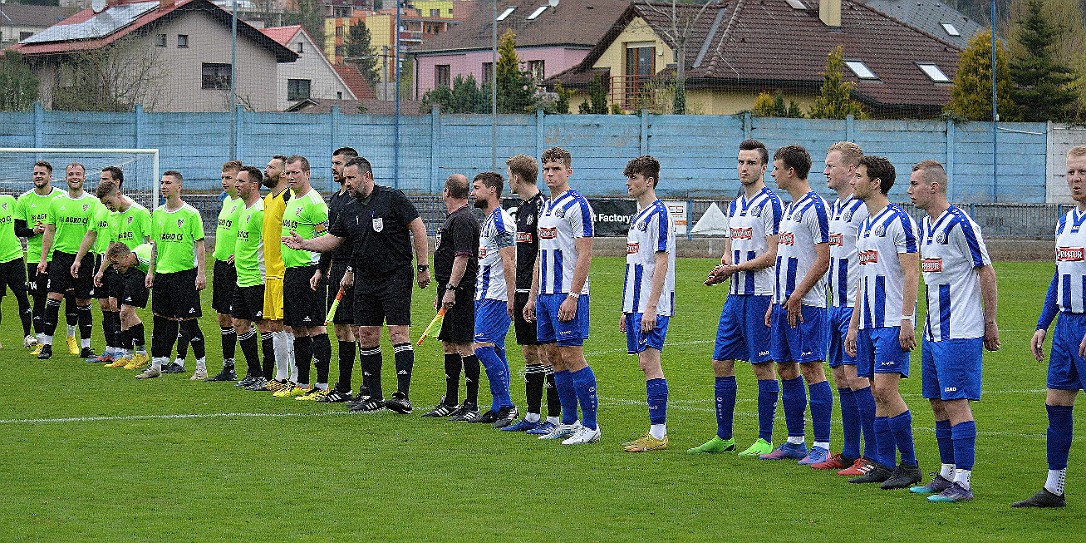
451	286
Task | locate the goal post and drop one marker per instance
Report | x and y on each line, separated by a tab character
140	167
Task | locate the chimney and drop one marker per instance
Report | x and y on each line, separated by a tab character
829	11
169	3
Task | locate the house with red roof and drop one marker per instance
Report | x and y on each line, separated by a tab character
736	49
166	55
311	76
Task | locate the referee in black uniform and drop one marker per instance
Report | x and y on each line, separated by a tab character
384	225
538	374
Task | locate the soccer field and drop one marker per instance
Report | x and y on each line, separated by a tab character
92	454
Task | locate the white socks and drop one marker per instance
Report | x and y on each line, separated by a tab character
1054	484
658	430
947	472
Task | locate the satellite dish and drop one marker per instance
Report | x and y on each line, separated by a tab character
98	5
552	3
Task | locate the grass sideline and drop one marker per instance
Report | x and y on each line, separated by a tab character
92	454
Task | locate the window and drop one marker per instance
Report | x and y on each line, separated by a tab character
951	30
538	11
215	75
934	73
182	41
301	48
339	31
24	35
506	13
442	75
435	13
860	69
160	40
488	73
339	95
640	67
796	4
297	89
536	69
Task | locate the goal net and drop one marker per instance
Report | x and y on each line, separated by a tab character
140	167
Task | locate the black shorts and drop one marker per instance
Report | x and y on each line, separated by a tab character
60	275
248	303
303	306
223	285
103	292
133	287
524	330
458	326
37	284
175	295
113	283
384	299
345	311
13	276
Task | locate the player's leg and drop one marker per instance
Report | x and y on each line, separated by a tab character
451	399
729	346
396	300
57	283
931	388
491	323
571	337
71	319
782	344
347	343
892	413
15	277
369	352
650	346
223	286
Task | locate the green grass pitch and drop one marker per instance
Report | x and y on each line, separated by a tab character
92	454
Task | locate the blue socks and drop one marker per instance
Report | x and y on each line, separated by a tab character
767	407
865	408
725	389
567	396
794	398
656	391
497	375
821	410
965	444
902	427
850	423
945	441
884	443
1060	431
584	383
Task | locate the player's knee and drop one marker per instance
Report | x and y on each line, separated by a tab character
724	368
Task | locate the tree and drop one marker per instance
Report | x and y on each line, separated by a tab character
361	55
308	14
113	78
971	92
18	86
835	97
597	98
516	87
1041	84
772	105
464	97
682	21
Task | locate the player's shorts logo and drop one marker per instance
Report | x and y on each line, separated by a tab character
869	257
932	265
1069	254
742	233
548	233
524	237
632	248
837	240
787	238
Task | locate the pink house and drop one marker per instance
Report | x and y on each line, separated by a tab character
552	36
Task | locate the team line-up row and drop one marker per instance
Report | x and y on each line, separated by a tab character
810	281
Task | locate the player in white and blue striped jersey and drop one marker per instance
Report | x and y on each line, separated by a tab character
1066	365
648	293
881	332
750	250
958	275
797	317
558	303
854	392
494	288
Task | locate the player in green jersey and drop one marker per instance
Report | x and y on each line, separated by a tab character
69	217
225	275
306	215
130	265
30	211
247	306
175	275
12	270
96	241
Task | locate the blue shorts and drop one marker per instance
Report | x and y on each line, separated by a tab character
1066	368
551	330
878	350
637	342
805	342
950	369
837	329
742	333
491	322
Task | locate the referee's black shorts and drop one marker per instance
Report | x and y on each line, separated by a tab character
458	326
303	306
13	276
223	286
383	299
60	275
175	295
524	330
345	311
